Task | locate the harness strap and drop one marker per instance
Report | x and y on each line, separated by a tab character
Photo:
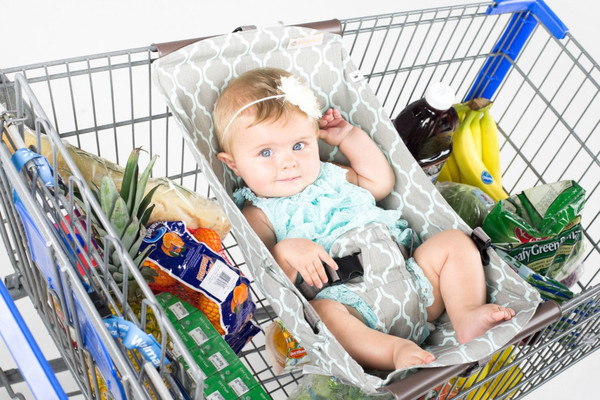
482	241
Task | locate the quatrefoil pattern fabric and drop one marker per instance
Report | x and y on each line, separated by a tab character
190	80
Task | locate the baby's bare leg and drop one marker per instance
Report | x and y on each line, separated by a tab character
370	348
451	262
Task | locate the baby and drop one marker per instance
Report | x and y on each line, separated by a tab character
308	212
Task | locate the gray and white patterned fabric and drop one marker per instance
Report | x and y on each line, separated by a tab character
191	79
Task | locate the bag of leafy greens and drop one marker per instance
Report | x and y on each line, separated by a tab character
540	227
469	202
322	387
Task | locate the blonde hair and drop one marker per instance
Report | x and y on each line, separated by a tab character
255	94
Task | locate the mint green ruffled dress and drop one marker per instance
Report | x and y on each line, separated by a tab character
325	210
331	209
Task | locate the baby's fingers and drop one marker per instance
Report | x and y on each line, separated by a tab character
318	274
336	113
327	259
320	268
314	274
326	118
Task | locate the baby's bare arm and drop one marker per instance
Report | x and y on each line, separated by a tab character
370	168
260	224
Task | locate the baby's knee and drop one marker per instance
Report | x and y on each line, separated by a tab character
329	309
458	240
326	305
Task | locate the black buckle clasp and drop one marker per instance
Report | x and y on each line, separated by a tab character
483	242
349	267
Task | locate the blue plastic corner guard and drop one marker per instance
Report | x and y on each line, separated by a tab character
522	24
29	358
538	8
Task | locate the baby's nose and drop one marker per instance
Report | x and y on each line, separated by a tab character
288	161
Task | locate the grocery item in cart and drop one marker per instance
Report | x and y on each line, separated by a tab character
549	288
210	352
426	125
540	227
470	202
127	210
475	158
215	287
172	202
283	350
339	86
314	386
495	387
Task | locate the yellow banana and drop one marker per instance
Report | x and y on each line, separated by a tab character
453	168
490	146
497	386
461	109
476	132
444	175
471	167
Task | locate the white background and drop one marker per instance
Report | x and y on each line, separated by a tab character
32	31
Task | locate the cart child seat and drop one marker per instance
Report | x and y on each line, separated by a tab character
191	78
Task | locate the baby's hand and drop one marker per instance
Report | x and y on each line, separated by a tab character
304	257
333	128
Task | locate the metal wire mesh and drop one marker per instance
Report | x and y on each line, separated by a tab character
106	105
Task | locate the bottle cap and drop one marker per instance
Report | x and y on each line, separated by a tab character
440	96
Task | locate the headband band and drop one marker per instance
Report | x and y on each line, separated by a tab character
294	92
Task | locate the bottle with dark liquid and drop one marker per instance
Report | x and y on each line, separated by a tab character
426	126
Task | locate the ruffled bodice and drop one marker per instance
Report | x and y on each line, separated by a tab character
325	210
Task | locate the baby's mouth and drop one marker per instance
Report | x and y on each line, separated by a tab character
290	179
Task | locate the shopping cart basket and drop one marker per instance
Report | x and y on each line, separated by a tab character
105	104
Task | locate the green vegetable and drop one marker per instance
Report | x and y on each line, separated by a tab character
322	387
537	213
469	202
540	227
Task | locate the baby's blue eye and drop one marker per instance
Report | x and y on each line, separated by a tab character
266	153
298	146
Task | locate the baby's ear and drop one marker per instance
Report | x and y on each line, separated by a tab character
228	160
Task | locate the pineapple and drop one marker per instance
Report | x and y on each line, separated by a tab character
128	212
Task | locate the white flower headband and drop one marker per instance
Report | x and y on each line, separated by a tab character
294	92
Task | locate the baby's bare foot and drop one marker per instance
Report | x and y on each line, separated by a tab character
407	354
479	320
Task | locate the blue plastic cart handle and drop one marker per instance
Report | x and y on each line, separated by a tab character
538	8
507	49
35	368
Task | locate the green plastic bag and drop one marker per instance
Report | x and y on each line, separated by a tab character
550	289
321	387
468	201
540	227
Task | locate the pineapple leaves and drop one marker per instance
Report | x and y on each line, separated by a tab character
130	234
130	175
128	211
141	187
146	216
144	205
119	218
108	195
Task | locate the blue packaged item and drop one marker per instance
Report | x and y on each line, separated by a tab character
209	281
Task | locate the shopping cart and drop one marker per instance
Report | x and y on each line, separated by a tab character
543	85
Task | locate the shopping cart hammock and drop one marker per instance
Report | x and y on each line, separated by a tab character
190	80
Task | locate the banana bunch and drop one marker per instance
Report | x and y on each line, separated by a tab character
475	157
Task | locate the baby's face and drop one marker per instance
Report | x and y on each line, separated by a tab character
277	158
